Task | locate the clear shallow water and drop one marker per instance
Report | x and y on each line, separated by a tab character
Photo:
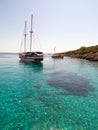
57	94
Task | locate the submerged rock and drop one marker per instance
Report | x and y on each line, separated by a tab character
71	83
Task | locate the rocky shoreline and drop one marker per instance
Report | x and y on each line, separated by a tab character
91	57
88	53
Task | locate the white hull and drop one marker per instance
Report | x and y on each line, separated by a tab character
32	59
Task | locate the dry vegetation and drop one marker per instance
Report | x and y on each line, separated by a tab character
89	53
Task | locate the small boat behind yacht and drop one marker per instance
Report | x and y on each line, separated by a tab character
57	55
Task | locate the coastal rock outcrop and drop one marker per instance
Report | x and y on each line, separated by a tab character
88	53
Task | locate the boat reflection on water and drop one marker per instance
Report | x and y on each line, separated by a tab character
34	65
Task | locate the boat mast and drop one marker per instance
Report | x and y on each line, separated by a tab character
31	32
54	49
25	37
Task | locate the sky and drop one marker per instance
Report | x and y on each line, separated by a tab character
64	24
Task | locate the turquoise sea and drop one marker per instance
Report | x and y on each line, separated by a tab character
57	94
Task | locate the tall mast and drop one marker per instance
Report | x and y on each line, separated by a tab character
54	49
25	37
31	32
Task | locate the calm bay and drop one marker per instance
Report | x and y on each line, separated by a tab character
57	94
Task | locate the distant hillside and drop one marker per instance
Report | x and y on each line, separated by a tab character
88	53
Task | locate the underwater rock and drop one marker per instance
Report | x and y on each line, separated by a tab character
71	82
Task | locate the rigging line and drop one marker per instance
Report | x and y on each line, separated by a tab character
38	40
21	45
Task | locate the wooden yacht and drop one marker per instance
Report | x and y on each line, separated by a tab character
30	56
